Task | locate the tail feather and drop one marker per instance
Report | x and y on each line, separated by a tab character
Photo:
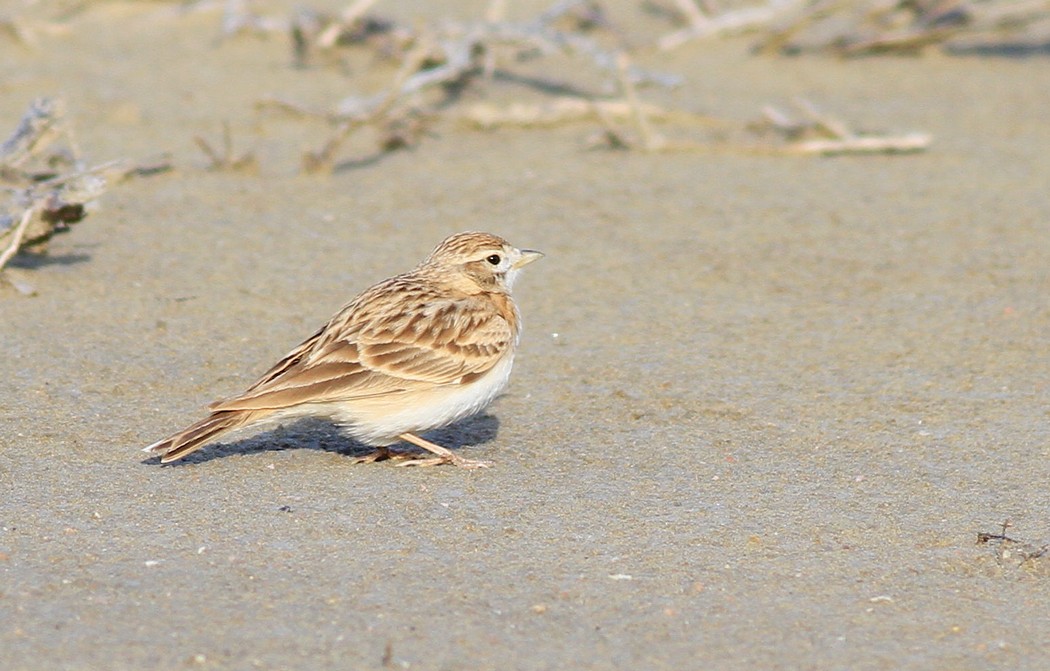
197	435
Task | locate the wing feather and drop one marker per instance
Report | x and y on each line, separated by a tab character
370	350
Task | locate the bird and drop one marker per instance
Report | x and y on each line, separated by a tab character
414	352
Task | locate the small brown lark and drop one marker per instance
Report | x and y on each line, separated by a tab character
415	352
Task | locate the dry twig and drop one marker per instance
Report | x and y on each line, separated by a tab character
226	159
50	188
1008	547
818	133
438	62
563	110
701	25
900	26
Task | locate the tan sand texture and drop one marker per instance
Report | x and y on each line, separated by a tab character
762	407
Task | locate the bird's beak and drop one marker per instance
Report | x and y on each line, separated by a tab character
527	257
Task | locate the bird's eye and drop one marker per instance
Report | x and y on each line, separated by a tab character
494	259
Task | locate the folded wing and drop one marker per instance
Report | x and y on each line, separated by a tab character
433	342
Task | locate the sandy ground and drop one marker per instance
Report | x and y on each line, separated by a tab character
762	407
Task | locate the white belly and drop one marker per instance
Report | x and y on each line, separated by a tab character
381	421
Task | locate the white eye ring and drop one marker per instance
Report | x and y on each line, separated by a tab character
494	259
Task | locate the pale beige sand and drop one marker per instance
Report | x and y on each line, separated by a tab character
761	409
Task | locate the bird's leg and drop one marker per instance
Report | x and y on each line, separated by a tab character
378	454
445	456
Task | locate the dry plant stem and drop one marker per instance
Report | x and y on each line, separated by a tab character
458	61
606	61
237	17
347	18
539	34
39	126
495	12
794	22
1027	551
17	235
18	31
838	138
466	50
824	122
694	16
649	141
900	144
323	158
565	110
863	30
61	200
113	172
216	160
356	11
779	120
909	41
558	10
225	160
46	202
746	18
977	18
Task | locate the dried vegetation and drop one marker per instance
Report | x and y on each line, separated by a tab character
589	74
49	186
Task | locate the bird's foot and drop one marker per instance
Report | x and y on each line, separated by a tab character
378	454
444	455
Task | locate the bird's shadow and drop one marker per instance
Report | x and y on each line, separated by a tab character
319	434
1015	50
35	260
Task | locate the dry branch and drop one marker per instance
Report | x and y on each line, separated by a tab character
701	25
901	26
815	132
563	110
50	187
38	127
1008	548
437	62
226	159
